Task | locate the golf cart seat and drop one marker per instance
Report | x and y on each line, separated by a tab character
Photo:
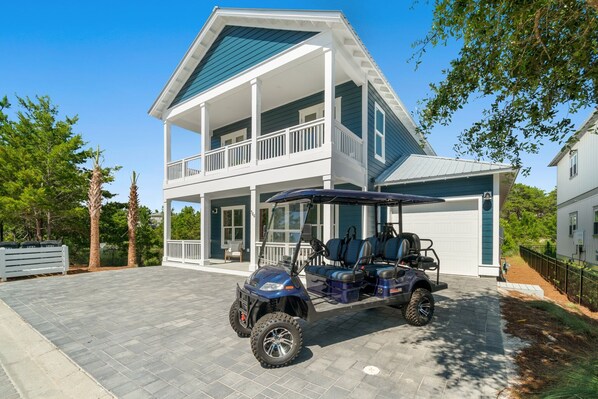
356	251
395	249
415	257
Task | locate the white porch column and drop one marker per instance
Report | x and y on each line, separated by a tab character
205	134
255	219
206	217
328	214
167	212
167	149
496	219
367	219
329	96
256	118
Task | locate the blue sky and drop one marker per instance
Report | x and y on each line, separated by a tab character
107	62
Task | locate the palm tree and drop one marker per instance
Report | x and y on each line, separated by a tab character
132	219
94	206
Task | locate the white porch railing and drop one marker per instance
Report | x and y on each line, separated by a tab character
304	137
347	143
283	143
186	251
274	251
184	168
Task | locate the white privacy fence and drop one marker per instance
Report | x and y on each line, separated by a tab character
186	251
32	261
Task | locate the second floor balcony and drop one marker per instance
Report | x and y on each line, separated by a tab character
295	144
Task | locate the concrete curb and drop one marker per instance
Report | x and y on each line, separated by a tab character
37	368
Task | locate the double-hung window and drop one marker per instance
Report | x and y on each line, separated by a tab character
596	220
379	133
572	223
573	164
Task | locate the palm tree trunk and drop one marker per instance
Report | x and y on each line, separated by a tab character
94	206
132	219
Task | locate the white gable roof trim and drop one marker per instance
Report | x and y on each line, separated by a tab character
590	125
285	19
422	168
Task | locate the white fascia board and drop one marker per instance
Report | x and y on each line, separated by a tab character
313	45
451	177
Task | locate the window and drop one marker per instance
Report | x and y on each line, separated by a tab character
314	112
573	164
379	133
596	220
234	137
572	223
233	225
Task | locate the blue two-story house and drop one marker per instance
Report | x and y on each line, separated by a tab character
284	99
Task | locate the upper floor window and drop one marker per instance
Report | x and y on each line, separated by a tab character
573	164
379	133
314	112
596	220
572	223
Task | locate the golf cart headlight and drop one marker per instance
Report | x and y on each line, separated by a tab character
272	287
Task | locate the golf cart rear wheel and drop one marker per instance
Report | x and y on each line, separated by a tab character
276	339
420	309
235	323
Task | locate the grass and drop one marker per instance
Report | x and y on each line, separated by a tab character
570	320
579	380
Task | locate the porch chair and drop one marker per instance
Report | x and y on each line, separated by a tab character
235	249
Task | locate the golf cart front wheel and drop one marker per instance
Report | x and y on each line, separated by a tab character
276	339
233	317
420	309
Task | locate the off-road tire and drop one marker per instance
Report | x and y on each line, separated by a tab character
413	313
233	318
262	329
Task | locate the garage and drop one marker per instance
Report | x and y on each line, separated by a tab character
454	227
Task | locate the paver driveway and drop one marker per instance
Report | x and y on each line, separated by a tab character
164	332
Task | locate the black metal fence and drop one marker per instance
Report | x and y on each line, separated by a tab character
580	285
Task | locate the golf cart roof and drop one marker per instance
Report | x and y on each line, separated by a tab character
350	197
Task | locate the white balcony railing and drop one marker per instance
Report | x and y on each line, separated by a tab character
347	143
277	145
274	252
186	251
184	168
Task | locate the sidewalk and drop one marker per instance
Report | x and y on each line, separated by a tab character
32	367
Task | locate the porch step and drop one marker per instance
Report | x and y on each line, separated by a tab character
527	289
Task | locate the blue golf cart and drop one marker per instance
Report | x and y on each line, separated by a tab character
347	274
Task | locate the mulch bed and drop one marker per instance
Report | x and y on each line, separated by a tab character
552	346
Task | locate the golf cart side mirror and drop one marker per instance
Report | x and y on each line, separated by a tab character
306	233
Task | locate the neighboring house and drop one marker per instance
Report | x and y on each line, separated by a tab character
292	99
577	195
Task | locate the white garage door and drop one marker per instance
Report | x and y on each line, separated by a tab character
454	228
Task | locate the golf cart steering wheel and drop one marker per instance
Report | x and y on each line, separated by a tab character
319	247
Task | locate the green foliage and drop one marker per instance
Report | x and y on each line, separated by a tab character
530	58
571	321
528	218
186	224
149	239
41	167
578	380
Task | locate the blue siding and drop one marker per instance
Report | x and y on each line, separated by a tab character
349	215
216	224
457	187
288	115
399	141
236	49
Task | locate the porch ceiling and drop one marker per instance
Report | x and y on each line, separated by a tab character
283	85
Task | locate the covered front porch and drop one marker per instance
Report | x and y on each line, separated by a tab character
241	216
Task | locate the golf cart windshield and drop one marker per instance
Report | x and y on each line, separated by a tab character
283	236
